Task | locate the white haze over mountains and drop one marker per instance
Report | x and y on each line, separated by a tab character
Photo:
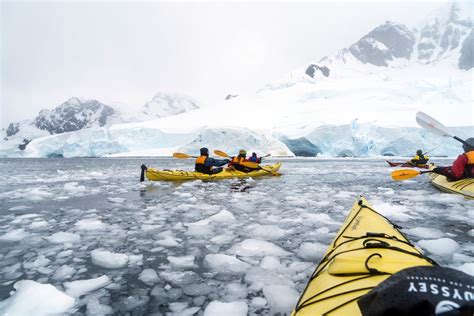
360	101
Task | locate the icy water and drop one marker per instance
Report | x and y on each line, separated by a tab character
172	248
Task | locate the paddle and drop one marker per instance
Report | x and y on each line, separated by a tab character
405	174
249	164
182	156
430	124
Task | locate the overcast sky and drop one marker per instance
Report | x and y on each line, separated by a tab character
125	52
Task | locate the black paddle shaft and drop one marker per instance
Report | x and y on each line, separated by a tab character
142	174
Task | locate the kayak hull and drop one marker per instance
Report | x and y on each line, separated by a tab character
228	173
405	164
464	187
367	250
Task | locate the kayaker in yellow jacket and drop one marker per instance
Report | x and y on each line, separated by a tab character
419	158
239	162
206	164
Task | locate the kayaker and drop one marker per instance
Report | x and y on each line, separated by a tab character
238	162
206	164
463	166
254	158
419	158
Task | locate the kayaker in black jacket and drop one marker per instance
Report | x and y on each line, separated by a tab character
205	164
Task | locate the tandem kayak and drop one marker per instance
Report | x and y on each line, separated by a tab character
367	250
405	164
228	173
465	187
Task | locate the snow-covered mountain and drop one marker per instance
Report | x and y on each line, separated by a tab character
77	114
360	101
166	104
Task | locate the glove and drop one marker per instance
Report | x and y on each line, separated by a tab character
227	160
438	170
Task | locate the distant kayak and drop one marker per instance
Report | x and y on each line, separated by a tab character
367	250
465	187
405	164
228	173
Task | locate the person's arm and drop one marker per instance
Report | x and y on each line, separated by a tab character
456	172
211	162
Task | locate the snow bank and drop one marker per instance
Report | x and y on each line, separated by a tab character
36	299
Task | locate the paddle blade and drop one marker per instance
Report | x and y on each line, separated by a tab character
221	153
404	174
181	156
430	124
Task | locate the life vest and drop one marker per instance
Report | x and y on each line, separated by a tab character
420	160
200	166
470	157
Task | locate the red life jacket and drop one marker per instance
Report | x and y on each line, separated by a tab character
200	166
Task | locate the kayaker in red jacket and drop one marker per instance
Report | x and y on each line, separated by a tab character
463	166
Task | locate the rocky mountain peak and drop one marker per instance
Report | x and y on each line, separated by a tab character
73	115
384	43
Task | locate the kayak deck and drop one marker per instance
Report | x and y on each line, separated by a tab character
228	173
367	250
465	187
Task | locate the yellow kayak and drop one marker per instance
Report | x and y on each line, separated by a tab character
228	173
464	187
367	250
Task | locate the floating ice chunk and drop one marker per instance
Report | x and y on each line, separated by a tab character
222	239
94	307
225	264
268	232
258	302
90	224
109	259
36	194
180	278
14	235
443	247
40	261
65	253
471	233
178	306
256	247
270	263
424	232
258	277
81	287
467	268
168	241
217	308
33	298
221	217
73	187
149	277
20	208
197	289
64	272
236	291
135	260
312	251
117	200
63	237
394	212
280	298
150	228
181	262
38	224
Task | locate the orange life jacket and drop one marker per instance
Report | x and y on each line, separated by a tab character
200	166
470	157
